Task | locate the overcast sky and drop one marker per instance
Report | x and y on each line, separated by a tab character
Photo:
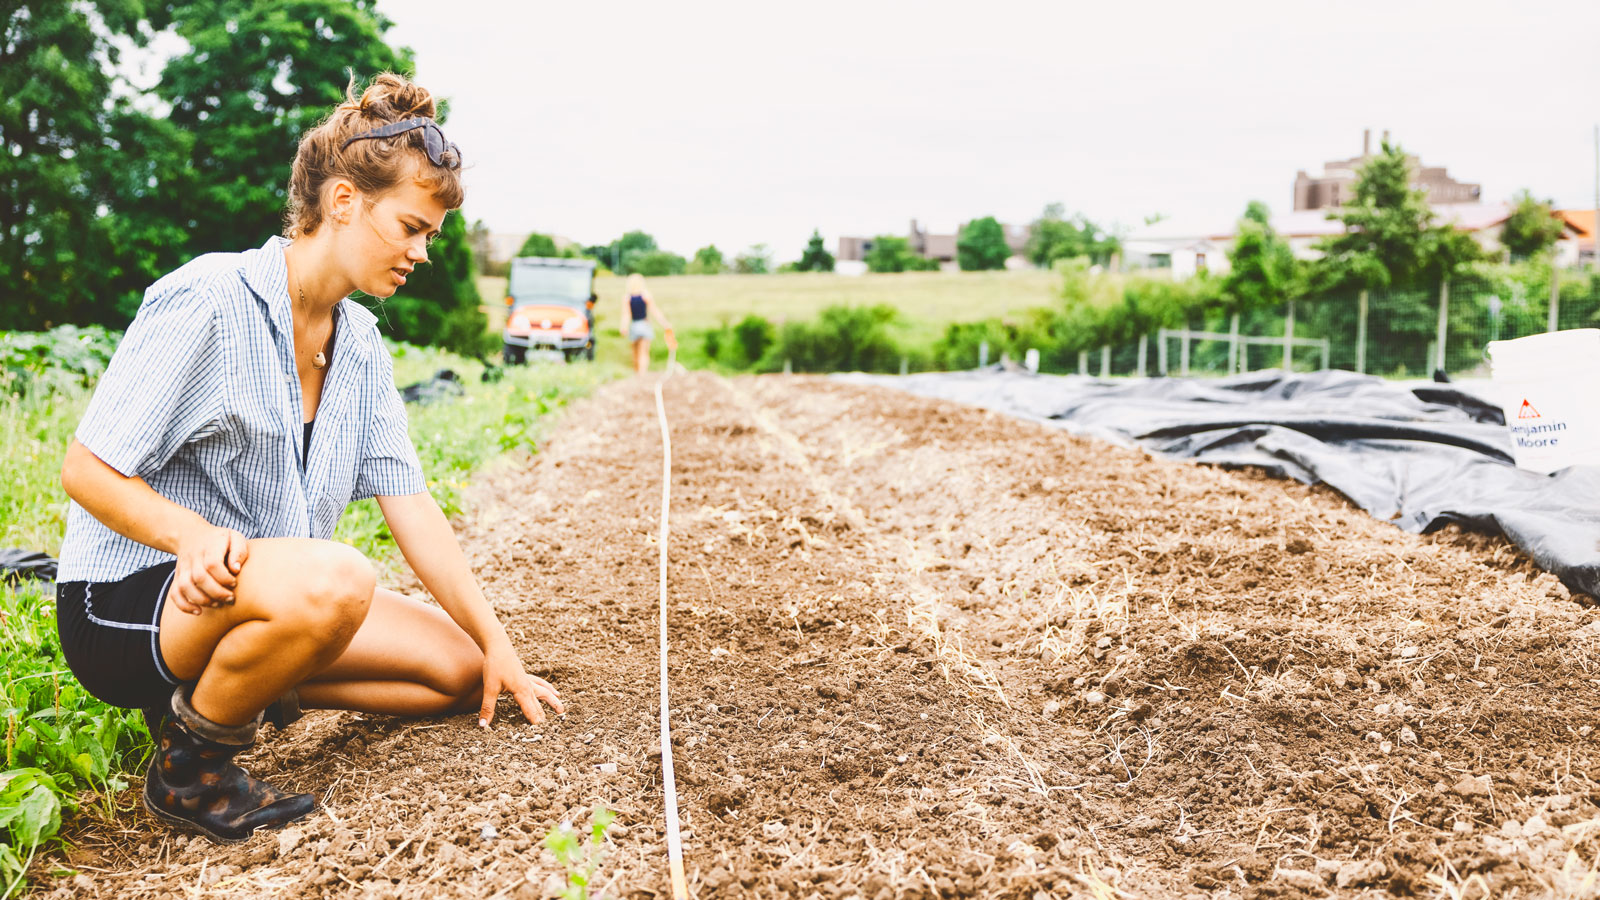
738	123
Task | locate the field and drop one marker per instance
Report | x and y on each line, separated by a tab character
922	650
927	301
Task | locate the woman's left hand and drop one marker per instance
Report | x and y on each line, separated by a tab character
502	673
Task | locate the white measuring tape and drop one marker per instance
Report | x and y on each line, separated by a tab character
680	886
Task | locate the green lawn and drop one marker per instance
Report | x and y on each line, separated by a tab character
927	301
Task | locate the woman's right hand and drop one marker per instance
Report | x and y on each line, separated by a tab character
209	560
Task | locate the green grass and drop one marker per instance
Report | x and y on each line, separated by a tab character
926	301
64	749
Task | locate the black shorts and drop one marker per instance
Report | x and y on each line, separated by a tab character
110	635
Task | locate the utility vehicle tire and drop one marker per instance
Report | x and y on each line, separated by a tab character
514	355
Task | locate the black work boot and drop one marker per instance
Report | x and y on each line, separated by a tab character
193	783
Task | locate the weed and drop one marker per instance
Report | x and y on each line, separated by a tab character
580	859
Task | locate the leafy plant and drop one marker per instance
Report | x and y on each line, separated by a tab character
982	245
581	859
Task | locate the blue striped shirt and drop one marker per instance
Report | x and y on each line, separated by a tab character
202	401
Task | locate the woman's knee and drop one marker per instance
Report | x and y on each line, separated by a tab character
334	590
460	677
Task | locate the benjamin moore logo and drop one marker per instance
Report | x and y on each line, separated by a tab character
1527	411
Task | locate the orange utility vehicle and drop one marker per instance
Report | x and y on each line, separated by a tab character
545	312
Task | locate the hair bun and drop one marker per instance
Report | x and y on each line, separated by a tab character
395	97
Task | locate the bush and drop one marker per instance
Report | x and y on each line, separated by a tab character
63	355
893	254
842	339
742	345
656	263
982	246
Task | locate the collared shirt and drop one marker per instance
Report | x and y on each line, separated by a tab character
202	401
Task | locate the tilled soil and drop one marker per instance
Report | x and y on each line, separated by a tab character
923	650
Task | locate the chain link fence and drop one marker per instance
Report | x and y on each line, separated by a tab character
1394	333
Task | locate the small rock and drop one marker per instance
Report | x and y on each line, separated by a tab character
554	886
1407	736
1470	786
1051	707
1409	652
1372	736
774	829
1511	829
718	651
1358	872
1103	643
1382	709
488	833
1386	747
1461	826
1304	879
607	768
718	878
1094	698
989	740
288	840
1534	825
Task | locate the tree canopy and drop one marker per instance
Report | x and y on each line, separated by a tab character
1391	237
707	261
982	245
890	253
755	260
538	244
108	188
1532	228
1262	266
1053	236
816	257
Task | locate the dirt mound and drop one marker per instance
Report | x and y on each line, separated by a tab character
921	650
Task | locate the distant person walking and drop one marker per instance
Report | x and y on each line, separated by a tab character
637	311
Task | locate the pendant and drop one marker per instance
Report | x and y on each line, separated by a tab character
319	361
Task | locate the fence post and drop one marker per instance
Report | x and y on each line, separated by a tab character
1327	350
1083	362
905	364
1444	322
1183	353
1144	354
1288	340
1161	351
1105	360
1030	360
788	369
1361	334
983	354
1555	295
1233	344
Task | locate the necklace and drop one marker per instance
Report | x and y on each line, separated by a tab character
320	361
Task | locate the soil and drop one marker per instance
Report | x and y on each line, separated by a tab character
924	650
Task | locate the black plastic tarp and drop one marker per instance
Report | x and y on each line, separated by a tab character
1420	458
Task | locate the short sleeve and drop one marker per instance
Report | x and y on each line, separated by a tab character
389	466
166	383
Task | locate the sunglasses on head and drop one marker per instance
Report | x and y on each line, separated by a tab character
433	139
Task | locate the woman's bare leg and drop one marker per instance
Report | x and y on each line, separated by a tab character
641	355
308	615
407	659
298	604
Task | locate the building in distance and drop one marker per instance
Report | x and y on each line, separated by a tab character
1336	185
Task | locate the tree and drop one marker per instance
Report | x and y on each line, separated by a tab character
1262	267
539	245
256	77
1054	237
707	261
982	246
893	254
816	257
621	254
657	262
757	260
78	163
1390	238
1532	228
